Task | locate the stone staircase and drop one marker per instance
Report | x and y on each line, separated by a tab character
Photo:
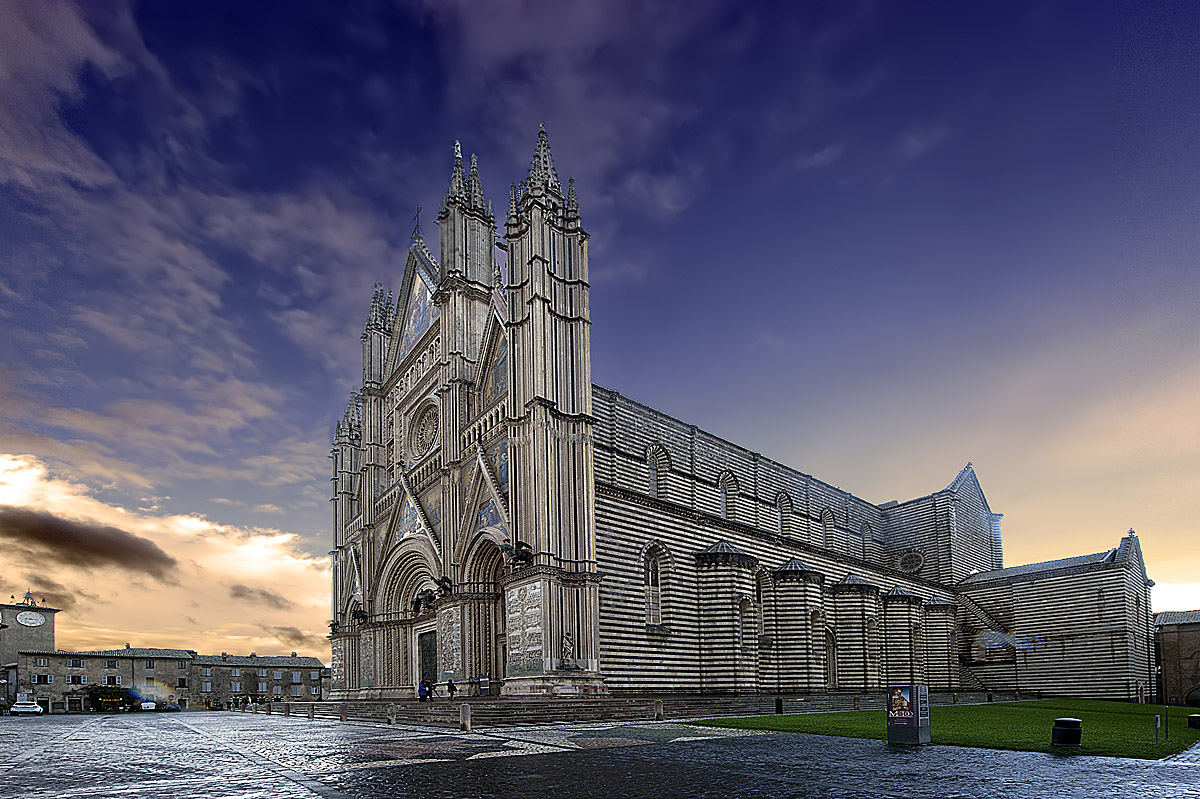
520	711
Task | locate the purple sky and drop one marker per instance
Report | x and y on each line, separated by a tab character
872	240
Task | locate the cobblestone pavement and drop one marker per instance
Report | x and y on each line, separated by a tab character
228	755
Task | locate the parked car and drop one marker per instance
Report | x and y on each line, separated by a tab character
149	706
170	707
30	708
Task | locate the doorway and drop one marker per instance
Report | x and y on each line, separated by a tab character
427	656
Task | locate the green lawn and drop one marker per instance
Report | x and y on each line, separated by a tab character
1116	729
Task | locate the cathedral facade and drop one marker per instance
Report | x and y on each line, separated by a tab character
499	517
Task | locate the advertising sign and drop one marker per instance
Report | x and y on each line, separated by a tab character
908	714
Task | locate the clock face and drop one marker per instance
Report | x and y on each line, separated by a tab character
911	561
30	618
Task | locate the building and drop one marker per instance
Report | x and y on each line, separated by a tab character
230	680
498	515
1177	641
60	681
23	625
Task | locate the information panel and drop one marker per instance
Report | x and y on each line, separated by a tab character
908	714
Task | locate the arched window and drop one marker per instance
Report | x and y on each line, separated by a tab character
653	582
729	494
783	507
659	464
827	528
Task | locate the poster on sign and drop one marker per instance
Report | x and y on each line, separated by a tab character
908	714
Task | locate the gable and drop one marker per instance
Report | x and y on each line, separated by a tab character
419	315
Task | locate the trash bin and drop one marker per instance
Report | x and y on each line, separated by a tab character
1194	720
1066	732
778	705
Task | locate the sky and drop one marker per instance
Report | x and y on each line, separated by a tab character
871	240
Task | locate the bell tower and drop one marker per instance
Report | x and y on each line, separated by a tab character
552	604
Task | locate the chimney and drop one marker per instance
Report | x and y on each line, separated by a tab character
253	654
224	656
293	654
126	644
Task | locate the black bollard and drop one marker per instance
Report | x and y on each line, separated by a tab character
778	705
1066	732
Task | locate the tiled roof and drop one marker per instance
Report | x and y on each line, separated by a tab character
723	548
134	652
1044	566
853	579
793	565
1123	553
937	600
259	660
898	591
1177	617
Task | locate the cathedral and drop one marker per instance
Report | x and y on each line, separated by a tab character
501	521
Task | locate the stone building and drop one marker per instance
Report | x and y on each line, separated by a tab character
225	680
59	680
1177	641
497	514
23	625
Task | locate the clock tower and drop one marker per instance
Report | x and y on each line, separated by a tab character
27	627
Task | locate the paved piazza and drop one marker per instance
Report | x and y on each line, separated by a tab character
261	757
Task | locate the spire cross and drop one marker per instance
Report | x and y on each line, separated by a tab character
416	234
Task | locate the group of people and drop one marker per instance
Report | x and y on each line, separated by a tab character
426	690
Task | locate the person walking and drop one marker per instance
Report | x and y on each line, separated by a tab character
451	688
422	691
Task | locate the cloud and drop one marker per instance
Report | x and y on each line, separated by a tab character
38	533
260	595
826	156
294	636
258	565
921	139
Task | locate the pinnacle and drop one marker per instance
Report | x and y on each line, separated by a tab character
542	176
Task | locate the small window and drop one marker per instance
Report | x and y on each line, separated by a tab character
149	664
181	664
314	675
182	683
235	672
206	671
149	681
296	690
277	690
652	580
43	661
206	687
295	676
262	672
69	679
277	675
262	687
729	495
111	664
235	687
112	679
315	691
83	679
75	663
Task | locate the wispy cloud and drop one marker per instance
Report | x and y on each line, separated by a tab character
826	156
920	140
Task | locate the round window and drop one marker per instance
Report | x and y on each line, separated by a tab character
424	432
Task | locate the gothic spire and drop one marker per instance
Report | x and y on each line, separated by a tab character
474	187
572	200
457	180
512	204
542	177
380	317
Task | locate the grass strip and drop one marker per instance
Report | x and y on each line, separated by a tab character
1114	729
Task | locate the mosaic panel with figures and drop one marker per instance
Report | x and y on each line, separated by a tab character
419	314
